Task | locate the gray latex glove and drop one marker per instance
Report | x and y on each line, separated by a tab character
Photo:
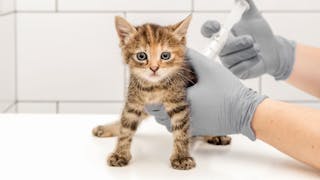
220	103
254	50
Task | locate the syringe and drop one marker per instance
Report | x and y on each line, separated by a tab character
219	40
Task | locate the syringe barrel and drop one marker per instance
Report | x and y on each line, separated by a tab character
219	40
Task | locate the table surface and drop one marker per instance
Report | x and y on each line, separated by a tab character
61	147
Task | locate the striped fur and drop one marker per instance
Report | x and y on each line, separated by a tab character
169	90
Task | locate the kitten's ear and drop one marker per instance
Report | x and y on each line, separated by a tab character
181	28
124	29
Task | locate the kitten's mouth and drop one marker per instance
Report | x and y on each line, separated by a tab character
154	75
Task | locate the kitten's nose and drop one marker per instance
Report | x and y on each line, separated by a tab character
154	68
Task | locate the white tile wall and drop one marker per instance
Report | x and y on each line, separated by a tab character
124	5
68	49
36	5
7	61
69	57
36	107
289	5
91	108
12	109
7	6
5	106
264	5
302	29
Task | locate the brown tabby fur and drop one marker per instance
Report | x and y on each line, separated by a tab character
169	89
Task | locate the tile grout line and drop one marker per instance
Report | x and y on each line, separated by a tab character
57	102
107	11
57	107
106	101
56	5
16	107
192	6
16	56
155	11
73	101
7	13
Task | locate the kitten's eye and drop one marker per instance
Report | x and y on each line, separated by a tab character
142	56
165	56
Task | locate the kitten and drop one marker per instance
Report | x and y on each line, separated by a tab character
159	73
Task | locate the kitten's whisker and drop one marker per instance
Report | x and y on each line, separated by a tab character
187	69
185	78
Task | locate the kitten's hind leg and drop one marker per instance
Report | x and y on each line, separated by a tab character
108	130
217	140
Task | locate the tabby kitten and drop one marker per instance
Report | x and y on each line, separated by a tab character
159	74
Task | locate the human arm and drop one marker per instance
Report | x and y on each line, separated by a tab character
290	128
306	74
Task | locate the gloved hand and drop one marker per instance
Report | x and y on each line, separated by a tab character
220	103
255	50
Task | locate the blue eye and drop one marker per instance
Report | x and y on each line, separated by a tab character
165	55
142	56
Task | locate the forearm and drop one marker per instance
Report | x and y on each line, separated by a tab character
306	74
290	128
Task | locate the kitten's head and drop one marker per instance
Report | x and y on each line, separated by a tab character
153	52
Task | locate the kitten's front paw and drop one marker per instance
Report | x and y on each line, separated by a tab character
183	163
118	160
